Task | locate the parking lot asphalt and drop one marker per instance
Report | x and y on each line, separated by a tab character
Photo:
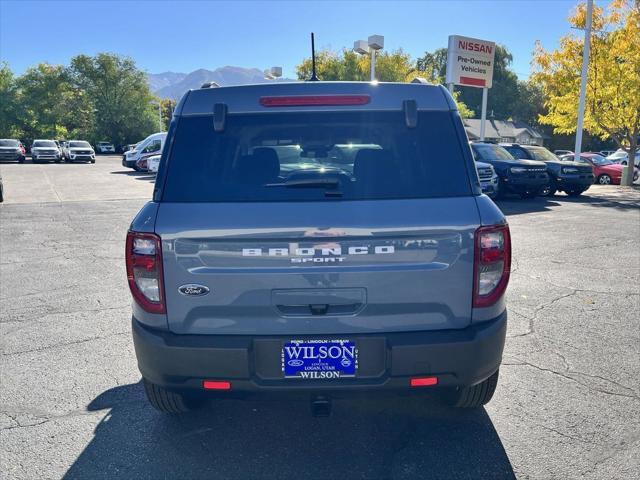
72	406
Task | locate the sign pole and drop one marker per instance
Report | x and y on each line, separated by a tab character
373	64
483	117
583	81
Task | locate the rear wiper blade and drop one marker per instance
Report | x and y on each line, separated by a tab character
308	183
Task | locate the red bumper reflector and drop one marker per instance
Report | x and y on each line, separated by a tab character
216	385
424	381
314	100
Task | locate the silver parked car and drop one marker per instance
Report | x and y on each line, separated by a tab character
45	151
362	257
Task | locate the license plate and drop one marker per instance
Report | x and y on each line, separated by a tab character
319	359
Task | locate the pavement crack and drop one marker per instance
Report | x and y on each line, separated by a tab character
59	345
532	319
633	395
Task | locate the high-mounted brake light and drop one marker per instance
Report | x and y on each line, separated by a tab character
144	271
314	100
491	265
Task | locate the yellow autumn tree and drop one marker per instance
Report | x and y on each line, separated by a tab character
612	107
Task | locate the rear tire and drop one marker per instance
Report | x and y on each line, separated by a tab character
475	396
167	401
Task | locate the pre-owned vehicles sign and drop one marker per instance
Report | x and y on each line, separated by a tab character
470	61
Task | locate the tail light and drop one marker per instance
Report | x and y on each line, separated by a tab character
492	264
144	271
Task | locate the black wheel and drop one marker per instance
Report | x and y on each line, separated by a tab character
548	191
475	396
167	401
21	160
93	161
604	179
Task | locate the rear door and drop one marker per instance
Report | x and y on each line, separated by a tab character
307	245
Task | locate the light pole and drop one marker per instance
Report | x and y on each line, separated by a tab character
153	102
371	46
273	73
583	81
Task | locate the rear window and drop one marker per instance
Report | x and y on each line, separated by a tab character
490	152
9	143
323	156
539	153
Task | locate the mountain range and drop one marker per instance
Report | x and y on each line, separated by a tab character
173	85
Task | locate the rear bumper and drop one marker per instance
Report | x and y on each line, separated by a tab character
387	361
128	163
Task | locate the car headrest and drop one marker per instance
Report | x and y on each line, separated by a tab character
260	168
372	165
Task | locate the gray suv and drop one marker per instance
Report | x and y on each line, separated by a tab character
320	238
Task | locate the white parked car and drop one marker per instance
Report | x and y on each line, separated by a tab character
622	157
105	147
152	145
153	162
78	150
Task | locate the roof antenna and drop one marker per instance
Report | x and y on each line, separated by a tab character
314	77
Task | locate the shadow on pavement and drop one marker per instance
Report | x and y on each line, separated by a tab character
137	175
400	437
623	199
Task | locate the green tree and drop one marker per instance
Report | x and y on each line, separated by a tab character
168	106
612	108
8	103
347	65
119	94
43	96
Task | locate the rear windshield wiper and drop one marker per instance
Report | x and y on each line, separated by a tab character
331	184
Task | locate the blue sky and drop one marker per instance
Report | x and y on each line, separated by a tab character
184	36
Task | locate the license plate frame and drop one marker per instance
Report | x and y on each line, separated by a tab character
319	359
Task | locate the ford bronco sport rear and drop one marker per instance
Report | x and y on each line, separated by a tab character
318	237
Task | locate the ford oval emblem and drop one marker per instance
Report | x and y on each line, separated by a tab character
193	290
295	362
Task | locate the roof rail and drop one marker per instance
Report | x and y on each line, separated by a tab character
421	80
209	85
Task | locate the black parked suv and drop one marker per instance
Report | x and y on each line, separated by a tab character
526	178
566	176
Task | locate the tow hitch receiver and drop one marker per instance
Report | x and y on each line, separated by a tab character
321	406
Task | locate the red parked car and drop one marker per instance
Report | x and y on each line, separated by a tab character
605	171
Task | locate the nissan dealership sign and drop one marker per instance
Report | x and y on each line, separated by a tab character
470	62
